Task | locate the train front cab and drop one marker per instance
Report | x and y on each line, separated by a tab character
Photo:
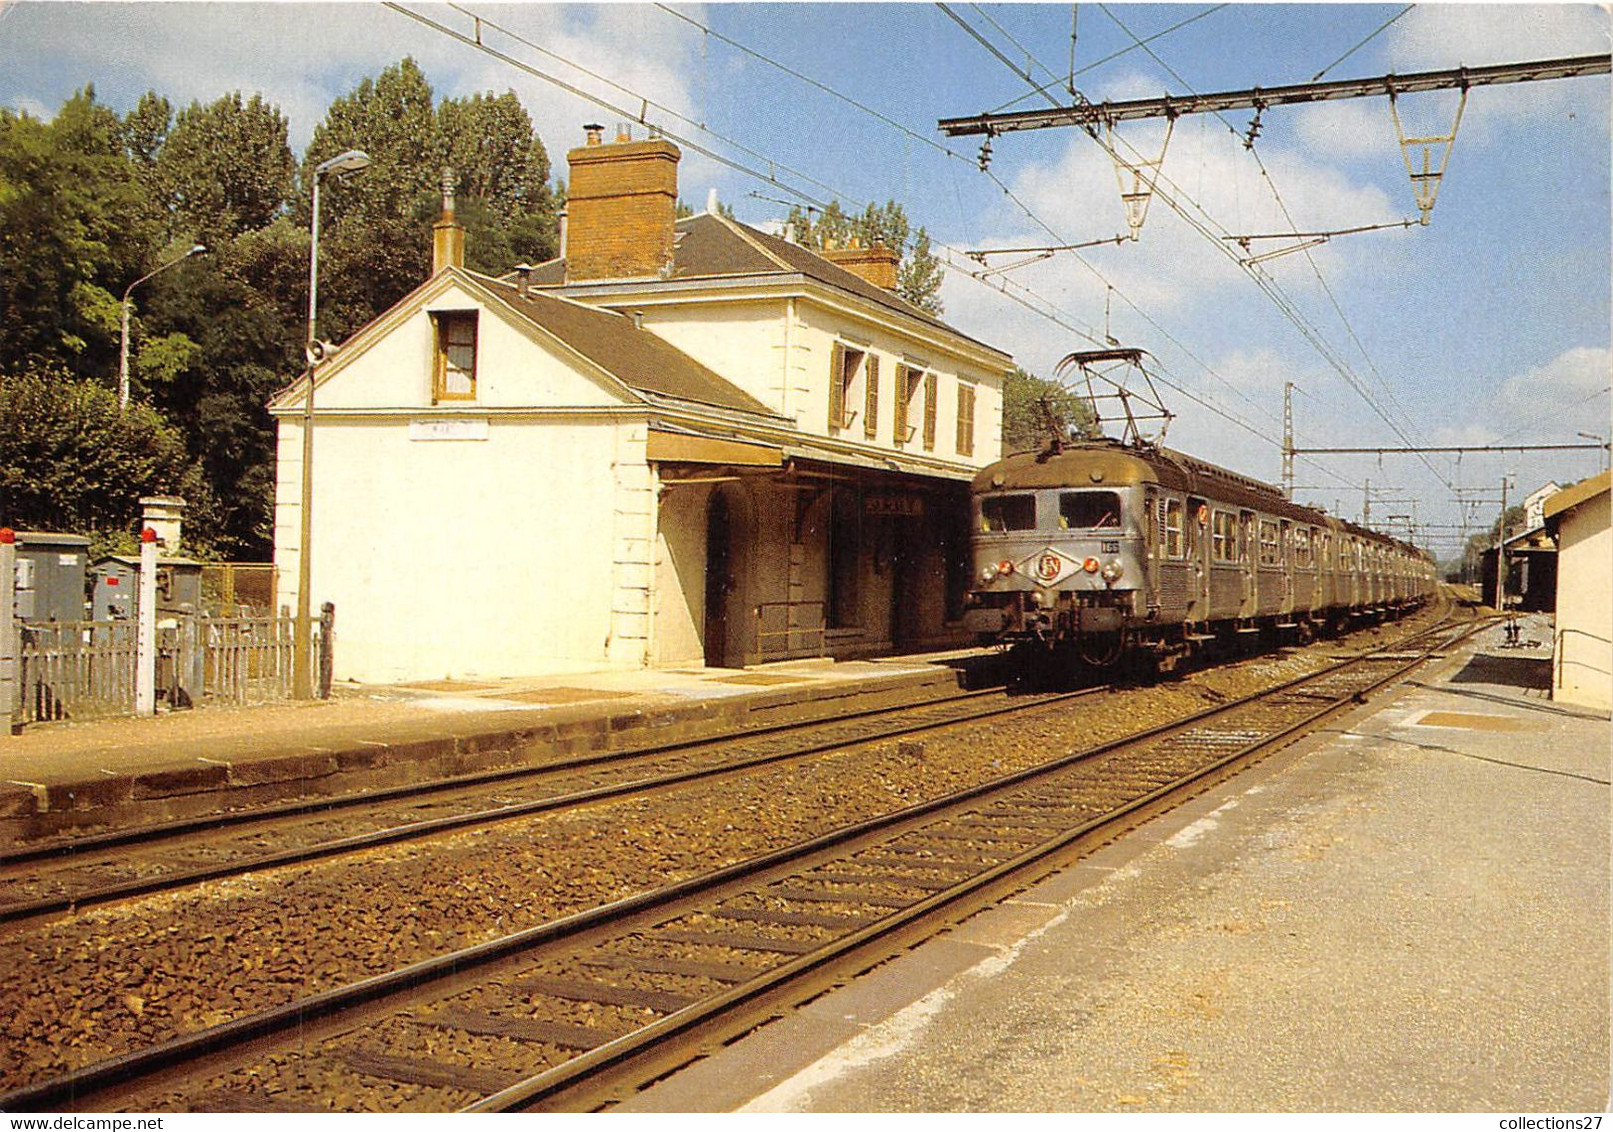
1055	563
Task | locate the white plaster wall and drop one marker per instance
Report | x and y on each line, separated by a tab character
745	342
1584	661
741	341
465	558
817	330
512	371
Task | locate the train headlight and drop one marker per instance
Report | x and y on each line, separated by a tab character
1112	572
1005	567
988	573
1090	565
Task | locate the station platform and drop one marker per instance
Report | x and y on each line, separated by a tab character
1407	912
67	779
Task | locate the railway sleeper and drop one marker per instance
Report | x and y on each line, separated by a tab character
736	941
846	895
563	1034
606	994
432	1074
691	968
934	864
791	919
979	835
892	879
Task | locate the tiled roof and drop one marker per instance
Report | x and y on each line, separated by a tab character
639	359
713	247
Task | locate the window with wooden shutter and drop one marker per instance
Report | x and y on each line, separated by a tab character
454	371
904	390
871	397
837	387
930	385
966	419
844	366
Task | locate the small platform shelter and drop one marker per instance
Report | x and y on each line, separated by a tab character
1579	518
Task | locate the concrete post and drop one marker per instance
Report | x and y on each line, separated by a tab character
145	672
10	637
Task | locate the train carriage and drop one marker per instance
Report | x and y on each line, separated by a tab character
1115	549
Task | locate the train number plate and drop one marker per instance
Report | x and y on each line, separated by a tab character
1111	546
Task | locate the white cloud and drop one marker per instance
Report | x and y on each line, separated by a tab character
1439	36
199	51
33	108
1433	36
1566	394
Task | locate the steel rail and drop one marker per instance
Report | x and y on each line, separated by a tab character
558	1078
85	1083
159	831
1175	105
166	882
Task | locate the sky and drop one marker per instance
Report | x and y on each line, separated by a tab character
1489	324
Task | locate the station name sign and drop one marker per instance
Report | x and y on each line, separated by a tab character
886	503
468	429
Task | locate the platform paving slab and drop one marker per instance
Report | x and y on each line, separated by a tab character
1408	913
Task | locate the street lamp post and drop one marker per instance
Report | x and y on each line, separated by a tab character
123	339
302	642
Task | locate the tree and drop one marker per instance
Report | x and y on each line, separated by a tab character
502	191
89	203
379	246
145	128
70	460
1036	409
918	278
225	168
245	314
75	229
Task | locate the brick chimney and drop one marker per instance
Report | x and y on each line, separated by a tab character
874	264
447	234
620	206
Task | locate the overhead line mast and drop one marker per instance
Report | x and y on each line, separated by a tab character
1091	115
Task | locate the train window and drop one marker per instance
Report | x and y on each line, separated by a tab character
1224	536
1302	548
1270	550
1084	510
1008	513
1171	513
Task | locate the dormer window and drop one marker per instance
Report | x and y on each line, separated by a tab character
454	376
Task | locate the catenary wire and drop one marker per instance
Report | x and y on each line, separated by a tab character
1315	268
771	177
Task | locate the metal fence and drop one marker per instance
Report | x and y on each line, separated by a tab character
84	670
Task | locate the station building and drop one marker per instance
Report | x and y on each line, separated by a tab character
683	442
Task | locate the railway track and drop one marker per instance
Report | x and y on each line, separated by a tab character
578	1011
39	881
